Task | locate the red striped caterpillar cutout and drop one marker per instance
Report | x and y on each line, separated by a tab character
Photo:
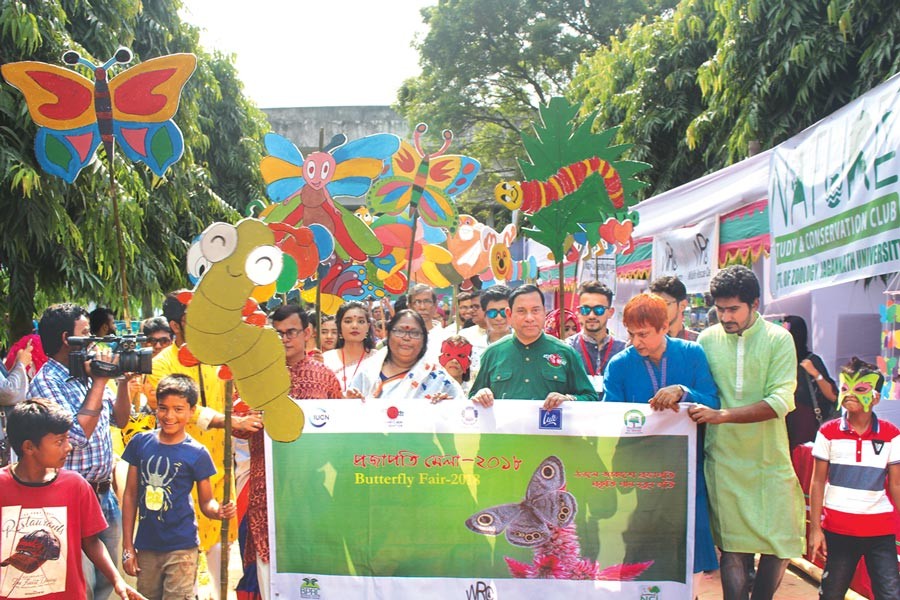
532	196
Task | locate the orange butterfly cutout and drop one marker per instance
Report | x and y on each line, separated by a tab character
75	114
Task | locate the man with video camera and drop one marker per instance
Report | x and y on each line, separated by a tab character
93	408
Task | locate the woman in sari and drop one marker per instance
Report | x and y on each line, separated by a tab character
403	373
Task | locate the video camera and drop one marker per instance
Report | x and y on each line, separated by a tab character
132	358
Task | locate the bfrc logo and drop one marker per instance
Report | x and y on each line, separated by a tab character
550	419
318	418
650	593
634	421
310	588
481	591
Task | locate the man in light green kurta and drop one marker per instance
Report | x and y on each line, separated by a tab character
756	504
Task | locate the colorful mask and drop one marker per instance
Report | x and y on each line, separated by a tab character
461	352
860	386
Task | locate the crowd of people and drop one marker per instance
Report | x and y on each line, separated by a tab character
753	387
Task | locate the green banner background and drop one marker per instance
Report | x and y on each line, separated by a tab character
327	523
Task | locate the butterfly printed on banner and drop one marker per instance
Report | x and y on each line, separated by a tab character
426	182
74	114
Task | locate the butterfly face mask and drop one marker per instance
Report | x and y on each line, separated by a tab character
860	386
461	352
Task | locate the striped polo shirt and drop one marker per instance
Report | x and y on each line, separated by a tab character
856	502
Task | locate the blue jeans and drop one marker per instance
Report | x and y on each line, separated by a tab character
738	576
844	552
98	587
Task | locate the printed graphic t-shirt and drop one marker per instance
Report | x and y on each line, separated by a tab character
166	476
40	539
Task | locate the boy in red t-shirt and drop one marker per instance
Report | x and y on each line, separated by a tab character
49	515
856	454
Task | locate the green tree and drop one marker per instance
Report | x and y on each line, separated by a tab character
694	86
780	67
488	65
645	81
57	241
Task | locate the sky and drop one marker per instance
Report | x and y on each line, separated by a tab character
314	53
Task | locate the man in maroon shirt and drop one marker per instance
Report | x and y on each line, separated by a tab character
310	379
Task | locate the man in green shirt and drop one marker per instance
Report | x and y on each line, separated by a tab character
756	504
530	365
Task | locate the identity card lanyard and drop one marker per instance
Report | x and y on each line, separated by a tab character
593	371
652	373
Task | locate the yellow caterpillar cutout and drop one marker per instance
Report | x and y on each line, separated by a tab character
236	260
532	196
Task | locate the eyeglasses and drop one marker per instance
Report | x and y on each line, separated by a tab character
422	302
598	310
493	313
289	334
159	341
413	334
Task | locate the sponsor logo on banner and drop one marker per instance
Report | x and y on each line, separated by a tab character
310	589
650	593
481	590
550	419
394	416
318	417
634	421
469	415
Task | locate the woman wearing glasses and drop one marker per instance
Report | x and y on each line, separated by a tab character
354	342
404	373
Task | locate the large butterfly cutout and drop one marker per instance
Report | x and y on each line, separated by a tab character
427	182
528	523
75	114
304	188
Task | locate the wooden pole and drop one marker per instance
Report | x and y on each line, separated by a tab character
559	306
226	495
120	239
413	214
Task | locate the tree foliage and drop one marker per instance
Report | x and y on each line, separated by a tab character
694	86
488	65
57	241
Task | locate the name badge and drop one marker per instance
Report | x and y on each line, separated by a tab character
597	382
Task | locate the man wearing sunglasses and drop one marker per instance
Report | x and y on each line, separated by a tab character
594	344
493	305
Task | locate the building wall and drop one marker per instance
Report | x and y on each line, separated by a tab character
302	125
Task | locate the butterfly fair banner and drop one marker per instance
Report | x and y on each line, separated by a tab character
689	253
389	499
834	196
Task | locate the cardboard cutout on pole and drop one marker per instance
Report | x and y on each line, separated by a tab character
240	258
576	181
303	189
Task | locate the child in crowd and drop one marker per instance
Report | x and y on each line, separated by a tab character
164	466
49	515
855	454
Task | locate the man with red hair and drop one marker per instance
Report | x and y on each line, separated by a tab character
664	371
